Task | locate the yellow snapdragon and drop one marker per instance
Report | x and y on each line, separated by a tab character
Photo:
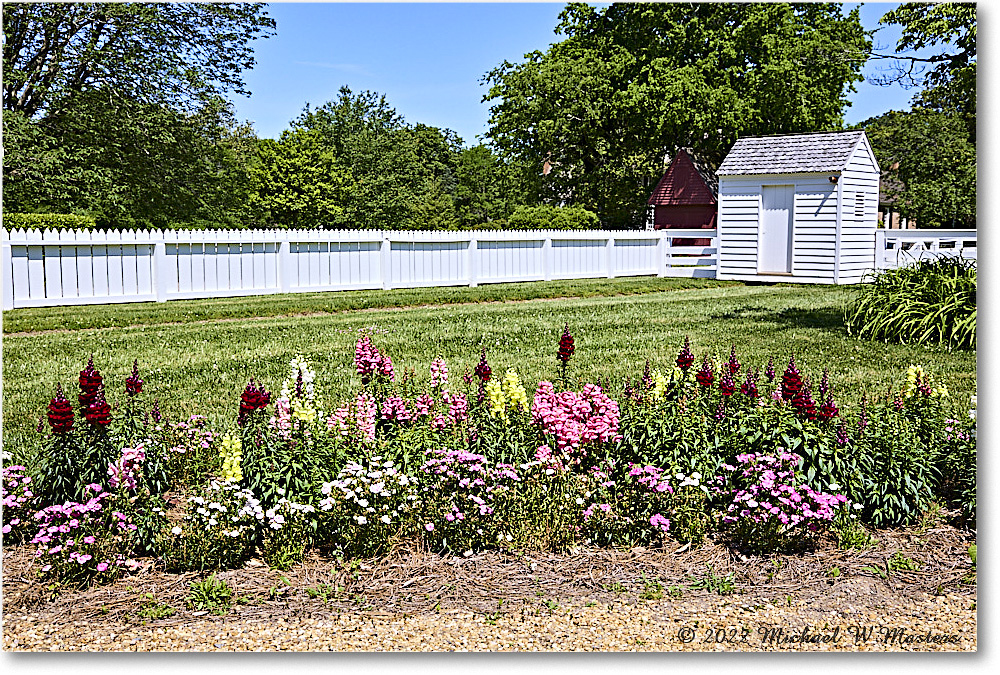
232	452
659	386
514	394
495	399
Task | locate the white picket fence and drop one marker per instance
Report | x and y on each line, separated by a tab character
896	248
49	268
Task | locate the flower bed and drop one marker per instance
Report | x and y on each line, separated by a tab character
762	460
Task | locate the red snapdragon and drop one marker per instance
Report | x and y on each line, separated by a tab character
685	358
133	384
60	412
90	382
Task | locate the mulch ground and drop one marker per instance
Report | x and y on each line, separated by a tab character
588	599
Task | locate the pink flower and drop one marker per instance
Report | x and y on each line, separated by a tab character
102	566
429	527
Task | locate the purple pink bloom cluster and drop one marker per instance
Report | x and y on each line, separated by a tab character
128	467
17	498
73	534
764	489
369	362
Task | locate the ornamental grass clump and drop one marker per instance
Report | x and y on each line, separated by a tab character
929	302
366	509
766	507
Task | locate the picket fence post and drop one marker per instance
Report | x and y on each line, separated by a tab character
160	263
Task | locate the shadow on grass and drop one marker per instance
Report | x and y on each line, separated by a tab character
825	318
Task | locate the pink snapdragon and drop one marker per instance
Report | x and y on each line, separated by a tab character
439	373
576	419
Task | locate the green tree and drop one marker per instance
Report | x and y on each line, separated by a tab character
126	163
928	166
948	78
177	55
296	182
485	188
368	138
631	83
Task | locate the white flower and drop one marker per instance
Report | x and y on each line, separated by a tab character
386	519
362	503
213	521
377	487
579	500
361	520
834	486
751	503
175	530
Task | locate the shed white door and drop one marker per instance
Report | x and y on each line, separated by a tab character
774	253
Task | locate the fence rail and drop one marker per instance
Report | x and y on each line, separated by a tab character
897	248
51	268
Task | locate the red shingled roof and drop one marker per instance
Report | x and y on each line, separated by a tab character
681	185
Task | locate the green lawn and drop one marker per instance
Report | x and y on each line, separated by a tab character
194	364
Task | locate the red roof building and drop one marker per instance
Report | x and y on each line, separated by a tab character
684	197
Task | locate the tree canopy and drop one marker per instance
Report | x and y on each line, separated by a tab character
173	54
632	83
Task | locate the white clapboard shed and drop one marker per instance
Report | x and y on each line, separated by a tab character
800	207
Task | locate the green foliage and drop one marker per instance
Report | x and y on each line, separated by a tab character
55	52
47	221
950	84
930	302
631	83
552	218
887	469
721	585
296	182
935	179
150	608
210	594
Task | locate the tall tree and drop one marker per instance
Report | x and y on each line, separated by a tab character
173	54
631	83
928	166
947	78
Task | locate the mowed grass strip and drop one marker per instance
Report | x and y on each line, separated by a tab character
297	304
202	367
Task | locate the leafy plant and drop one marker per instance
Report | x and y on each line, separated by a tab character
929	302
210	594
712	583
150	608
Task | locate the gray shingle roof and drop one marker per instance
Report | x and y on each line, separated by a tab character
794	153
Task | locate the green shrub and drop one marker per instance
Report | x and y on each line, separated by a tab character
552	218
47	221
931	302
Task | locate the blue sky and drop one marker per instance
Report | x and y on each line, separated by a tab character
429	59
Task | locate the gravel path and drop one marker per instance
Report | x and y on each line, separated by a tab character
947	621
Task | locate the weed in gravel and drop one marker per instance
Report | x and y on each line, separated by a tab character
877	571
322	591
492	617
552	605
898	562
149	608
210	594
675	592
616	587
652	589
712	583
